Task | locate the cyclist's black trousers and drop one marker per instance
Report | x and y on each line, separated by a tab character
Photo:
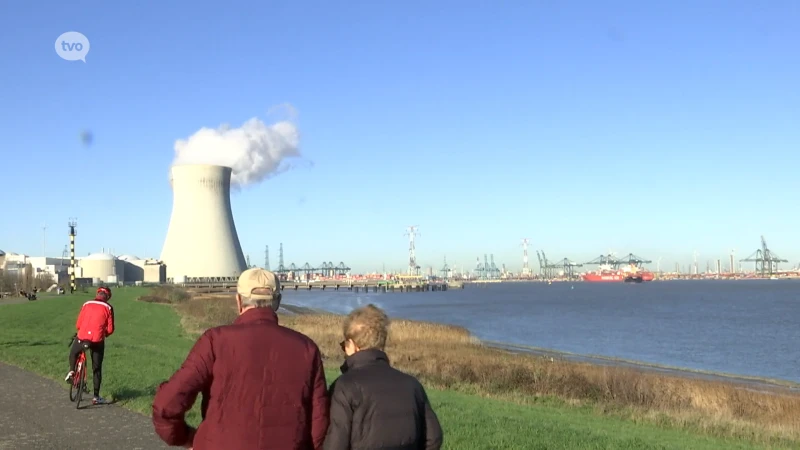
98	350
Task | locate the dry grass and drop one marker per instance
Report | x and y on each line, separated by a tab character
166	294
449	357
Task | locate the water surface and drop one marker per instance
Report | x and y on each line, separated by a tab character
746	327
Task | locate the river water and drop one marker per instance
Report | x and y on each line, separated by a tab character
747	327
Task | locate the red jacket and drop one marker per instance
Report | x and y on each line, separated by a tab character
95	321
263	387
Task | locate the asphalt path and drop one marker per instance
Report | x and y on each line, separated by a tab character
35	413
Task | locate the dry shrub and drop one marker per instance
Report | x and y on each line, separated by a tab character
205	311
166	294
153	299
449	357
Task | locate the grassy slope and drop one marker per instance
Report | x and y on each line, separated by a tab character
150	344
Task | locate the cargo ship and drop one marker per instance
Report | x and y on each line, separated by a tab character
606	274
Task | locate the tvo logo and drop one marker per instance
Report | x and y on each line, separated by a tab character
72	46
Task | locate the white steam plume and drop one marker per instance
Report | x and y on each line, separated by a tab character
254	151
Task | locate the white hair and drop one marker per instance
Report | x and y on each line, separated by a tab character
273	303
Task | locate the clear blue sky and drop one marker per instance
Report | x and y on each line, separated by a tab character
655	128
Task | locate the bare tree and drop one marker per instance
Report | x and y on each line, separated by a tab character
25	280
8	282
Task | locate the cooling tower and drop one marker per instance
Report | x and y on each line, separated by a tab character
201	239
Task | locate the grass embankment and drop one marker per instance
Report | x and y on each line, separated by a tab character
555	404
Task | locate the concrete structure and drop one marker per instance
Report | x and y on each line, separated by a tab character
102	268
139	270
134	272
154	271
201	239
14	263
2	259
55	267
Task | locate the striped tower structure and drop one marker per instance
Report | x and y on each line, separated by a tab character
72	227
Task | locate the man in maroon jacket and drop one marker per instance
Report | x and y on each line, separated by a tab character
263	384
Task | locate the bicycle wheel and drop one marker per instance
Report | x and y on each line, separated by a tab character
73	389
81	374
75	386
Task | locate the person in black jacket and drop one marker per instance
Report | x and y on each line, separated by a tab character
373	405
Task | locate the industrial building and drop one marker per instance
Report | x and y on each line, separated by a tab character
15	263
201	241
43	265
127	269
100	268
138	270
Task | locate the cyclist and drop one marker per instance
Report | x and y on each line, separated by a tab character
95	323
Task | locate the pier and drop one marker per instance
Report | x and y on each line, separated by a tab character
336	285
367	286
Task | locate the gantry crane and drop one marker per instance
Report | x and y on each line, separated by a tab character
605	260
633	260
766	261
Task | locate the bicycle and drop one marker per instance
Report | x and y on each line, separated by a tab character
78	386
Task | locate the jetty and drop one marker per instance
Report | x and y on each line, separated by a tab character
337	285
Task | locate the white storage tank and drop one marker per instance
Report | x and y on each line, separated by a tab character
102	266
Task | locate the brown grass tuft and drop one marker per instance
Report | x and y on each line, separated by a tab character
449	357
166	294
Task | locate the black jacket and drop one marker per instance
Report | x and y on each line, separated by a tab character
374	406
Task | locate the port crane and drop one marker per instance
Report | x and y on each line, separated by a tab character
445	271
545	268
487	269
549	269
326	269
479	268
541	263
766	261
605	260
568	267
633	260
494	271
610	260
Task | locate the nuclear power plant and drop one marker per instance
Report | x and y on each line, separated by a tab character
201	239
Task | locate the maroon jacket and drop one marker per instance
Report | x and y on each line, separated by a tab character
263	387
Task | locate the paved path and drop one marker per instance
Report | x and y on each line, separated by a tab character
35	413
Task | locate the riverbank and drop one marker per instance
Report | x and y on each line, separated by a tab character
759	383
486	398
449	357
751	382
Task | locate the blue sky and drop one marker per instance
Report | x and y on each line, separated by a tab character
644	127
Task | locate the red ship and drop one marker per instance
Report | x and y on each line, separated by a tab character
629	274
603	276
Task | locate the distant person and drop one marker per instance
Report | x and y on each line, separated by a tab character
373	405
95	323
263	384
